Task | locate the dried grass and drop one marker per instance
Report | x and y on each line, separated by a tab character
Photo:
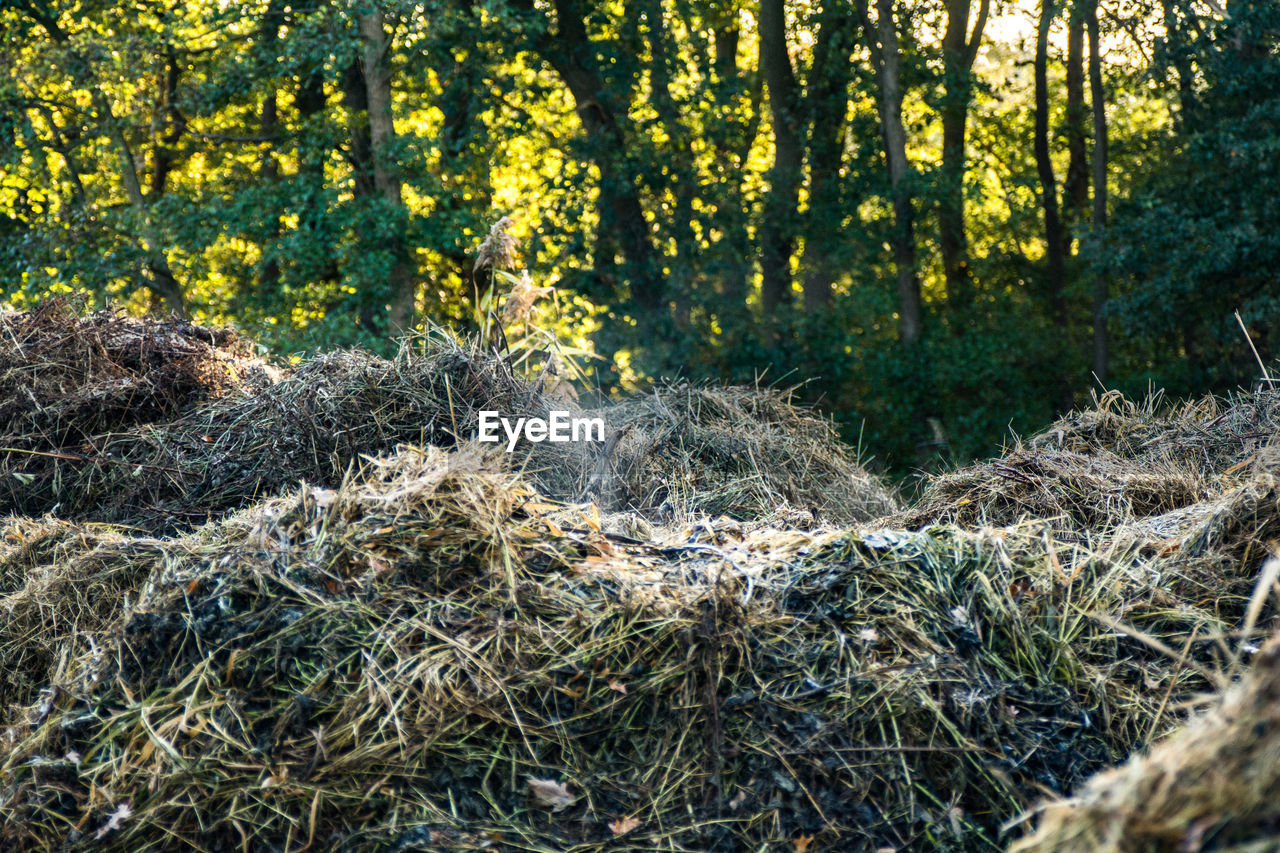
417	647
385	665
745	452
1215	786
680	452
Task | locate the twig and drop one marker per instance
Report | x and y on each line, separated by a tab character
1266	377
80	457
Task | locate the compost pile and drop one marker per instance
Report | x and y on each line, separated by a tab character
306	611
173	452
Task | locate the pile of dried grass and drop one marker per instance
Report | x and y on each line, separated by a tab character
65	377
737	451
1075	491
389	664
61	584
312	425
1214	786
1210	436
679	452
68	380
1114	465
415	649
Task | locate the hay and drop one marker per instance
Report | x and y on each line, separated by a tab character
67	381
678	453
1210	436
65	377
1214	786
387	665
61	585
388	638
1076	491
1117	465
738	451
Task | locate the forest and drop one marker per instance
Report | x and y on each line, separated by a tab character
935	496
944	219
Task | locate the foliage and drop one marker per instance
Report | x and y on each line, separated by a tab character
636	148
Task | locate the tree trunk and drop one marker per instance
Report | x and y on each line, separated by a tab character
827	103
1054	250
1076	189
623	225
882	38
683	182
739	97
167	125
1101	285
386	176
959	49
269	125
778	226
355	96
1055	286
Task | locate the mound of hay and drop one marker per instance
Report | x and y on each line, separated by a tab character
1075	491
61	584
1210	436
416	647
1214	786
431	657
1116	465
680	452
65	377
737	451
69	380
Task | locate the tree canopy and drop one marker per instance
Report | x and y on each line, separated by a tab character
948	217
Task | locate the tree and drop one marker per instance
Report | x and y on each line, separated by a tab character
1101	284
375	64
602	110
827	105
1076	185
882	38
1053	233
778	222
959	50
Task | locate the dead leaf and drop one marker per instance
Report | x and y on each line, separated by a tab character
623	826
549	792
618	686
801	842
